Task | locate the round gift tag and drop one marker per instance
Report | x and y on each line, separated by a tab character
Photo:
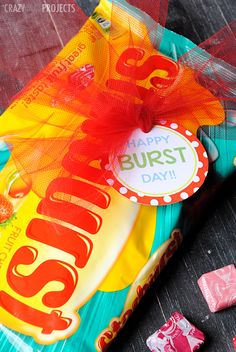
164	166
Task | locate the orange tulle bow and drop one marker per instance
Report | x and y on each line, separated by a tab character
137	88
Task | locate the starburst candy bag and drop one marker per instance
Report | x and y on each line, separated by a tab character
105	155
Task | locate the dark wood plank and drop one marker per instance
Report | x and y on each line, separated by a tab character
211	246
199	19
30	39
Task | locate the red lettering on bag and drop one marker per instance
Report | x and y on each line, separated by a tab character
71	213
79	189
72	164
142	72
58	236
151	64
50	270
105	340
61	205
48	322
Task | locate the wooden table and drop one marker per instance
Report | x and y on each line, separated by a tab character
213	244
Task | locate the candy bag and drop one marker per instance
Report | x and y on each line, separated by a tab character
80	248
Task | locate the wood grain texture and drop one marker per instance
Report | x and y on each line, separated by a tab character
210	246
29	40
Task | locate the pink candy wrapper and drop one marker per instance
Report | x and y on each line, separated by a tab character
219	288
177	335
234	342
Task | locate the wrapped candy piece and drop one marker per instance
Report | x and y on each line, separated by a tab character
234	342
219	288
68	278
177	335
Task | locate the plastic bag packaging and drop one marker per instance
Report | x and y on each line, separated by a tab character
76	256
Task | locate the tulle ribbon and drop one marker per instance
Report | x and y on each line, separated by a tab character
101	116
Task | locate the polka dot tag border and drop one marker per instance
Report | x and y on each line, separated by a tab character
184	193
